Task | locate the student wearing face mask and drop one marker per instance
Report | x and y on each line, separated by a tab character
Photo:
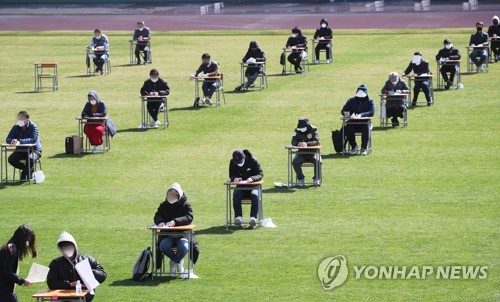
494	34
24	132
305	135
479	39
360	105
94	107
208	68
154	86
19	246
394	106
324	32
141	36
295	41
253	55
420	67
100	46
62	273
245	167
448	52
175	211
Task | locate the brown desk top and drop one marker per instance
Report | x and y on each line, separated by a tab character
181	228
304	148
394	95
365	118
154	96
20	145
46	64
91	118
256	63
61	293
430	75
255	183
449	61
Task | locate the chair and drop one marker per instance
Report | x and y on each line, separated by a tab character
30	177
310	164
147	50
328	49
91	67
262	77
357	134
471	66
458	77
384	119
46	70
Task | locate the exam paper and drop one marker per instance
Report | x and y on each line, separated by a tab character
85	271
38	273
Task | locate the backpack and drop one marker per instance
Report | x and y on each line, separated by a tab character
69	145
141	267
337	140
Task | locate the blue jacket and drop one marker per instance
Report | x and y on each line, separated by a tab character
25	135
364	106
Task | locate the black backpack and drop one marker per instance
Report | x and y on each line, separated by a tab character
337	141
141	267
69	145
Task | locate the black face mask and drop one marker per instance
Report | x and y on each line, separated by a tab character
479	28
495	22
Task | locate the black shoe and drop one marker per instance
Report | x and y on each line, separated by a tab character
430	104
24	176
414	104
96	69
395	122
138	62
448	85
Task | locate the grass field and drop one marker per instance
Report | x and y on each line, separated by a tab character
428	195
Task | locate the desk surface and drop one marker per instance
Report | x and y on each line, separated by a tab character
294	48
61	293
256	63
419	76
143	40
153	97
91	118
20	145
471	47
304	148
181	228
210	77
365	118
329	39
448	61
50	64
394	95
255	183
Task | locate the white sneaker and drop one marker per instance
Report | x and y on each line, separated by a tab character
209	101
252	221
158	123
301	183
317	182
97	149
172	269
363	152
152	123
354	151
316	62
180	267
203	100
238	221
328	61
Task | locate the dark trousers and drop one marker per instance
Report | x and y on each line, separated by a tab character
6	296
451	68
295	58
138	49
299	159
424	86
352	129
209	87
238	195
154	109
321	46
99	60
495	47
19	160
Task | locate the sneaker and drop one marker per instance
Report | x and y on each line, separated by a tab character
414	104
208	101
252	222
138	62
252	85
152	123
97	149
96	69
203	100
158	123
328	61
448	85
354	151
316	182
172	269
363	152
238	221
316	62
180	267
477	69
301	183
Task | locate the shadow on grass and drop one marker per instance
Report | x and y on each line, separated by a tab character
278	190
11	184
382	128
189	108
126	65
335	155
29	92
136	130
81	76
129	282
64	155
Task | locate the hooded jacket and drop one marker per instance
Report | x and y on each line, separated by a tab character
25	135
323	32
161	86
62	270
101	107
9	260
255	53
250	169
364	106
298	41
310	136
452	54
494	29
419	69
180	211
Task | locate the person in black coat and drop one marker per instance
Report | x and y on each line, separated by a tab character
298	43
358	106
16	249
448	52
244	167
394	106
174	211
154	86
305	135
253	55
62	273
479	38
142	36
494	34
420	67
324	32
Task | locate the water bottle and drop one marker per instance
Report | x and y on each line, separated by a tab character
78	287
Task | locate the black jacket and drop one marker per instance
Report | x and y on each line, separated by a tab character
420	69
452	54
211	69
299	41
494	29
310	137
389	87
258	55
8	268
161	86
181	212
62	272
250	169
478	38
364	106
323	32
144	33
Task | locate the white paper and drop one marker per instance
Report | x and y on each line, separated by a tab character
85	271
38	273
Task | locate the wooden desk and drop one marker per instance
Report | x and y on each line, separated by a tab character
41	73
219	80
317	41
82	121
246	186
421	78
91	53
357	121
61	294
144	113
305	63
384	99
458	76
293	150
262	73
156	231
5	149
145	41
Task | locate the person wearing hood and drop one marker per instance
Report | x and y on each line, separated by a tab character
141	36
245	167
208	68
19	246
297	43
324	34
100	45
62	273
479	39
394	107
253	55
358	106
420	67
174	211
305	135
22	133
94	107
448	52
494	34
154	86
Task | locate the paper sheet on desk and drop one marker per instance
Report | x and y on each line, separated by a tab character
38	273
85	271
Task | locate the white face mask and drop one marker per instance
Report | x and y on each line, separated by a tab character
394	83
416	60
361	94
98	37
93	102
172	200
154	79
448	46
241	165
68	251
140	28
20	123
304	129
294	35
323	25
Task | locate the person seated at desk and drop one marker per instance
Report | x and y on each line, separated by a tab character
141	36
306	135
23	133
16	249
100	46
494	34
448	52
174	211
253	55
62	273
94	108
358	106
154	86
243	167
479	39
208	68
394	108
324	32
296	41
420	67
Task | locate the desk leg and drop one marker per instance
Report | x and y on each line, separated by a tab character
143	118
289	177
165	115
228	205
261	209
190	254
153	252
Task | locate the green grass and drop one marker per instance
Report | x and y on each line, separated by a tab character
428	195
